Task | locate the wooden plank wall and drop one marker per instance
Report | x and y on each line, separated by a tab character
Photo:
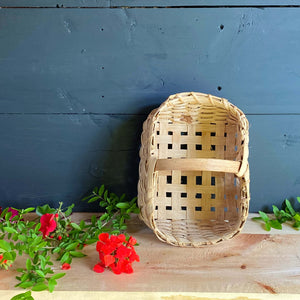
78	78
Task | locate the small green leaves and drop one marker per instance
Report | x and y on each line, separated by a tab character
66	240
23	296
286	214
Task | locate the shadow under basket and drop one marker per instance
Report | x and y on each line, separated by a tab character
194	175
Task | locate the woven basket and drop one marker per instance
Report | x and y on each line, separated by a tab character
194	175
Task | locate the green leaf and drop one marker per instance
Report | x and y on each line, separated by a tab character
40	273
75	226
28	264
93	220
123	205
93	199
65	257
56	250
105	195
296	224
52	283
275	224
297	217
104	217
77	254
85	198
101	190
5	245
103	203
9	255
10	230
58	275
26	284
298	199
29	209
72	246
69	210
267	226
82	224
23	296
45	209
8	216
264	216
40	287
289	207
276	211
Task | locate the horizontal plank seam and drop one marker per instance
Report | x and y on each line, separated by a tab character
151	7
133	114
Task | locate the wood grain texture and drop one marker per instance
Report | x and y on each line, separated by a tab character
120	61
265	264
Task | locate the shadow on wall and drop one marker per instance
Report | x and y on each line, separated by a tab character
120	165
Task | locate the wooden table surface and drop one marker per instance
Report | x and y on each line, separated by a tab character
254	265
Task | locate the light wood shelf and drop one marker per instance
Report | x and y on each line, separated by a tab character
254	265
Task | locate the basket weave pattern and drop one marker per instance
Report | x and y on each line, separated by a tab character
194	174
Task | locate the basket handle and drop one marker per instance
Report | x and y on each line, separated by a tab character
198	164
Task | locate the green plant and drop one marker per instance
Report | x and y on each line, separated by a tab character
52	231
117	209
287	214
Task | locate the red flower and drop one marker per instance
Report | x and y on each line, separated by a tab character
98	268
59	237
132	241
48	224
122	251
65	266
108	260
104	237
116	253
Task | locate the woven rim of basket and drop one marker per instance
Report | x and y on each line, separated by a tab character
148	166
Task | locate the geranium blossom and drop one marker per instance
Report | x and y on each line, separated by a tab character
65	266
48	224
116	253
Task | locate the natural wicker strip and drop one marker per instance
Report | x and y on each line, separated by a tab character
198	164
194	174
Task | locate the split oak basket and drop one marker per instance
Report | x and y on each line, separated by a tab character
194	174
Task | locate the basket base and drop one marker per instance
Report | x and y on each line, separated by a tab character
195	233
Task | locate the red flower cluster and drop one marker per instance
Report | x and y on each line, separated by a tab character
48	224
116	253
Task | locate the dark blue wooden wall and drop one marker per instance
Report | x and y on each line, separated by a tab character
78	78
